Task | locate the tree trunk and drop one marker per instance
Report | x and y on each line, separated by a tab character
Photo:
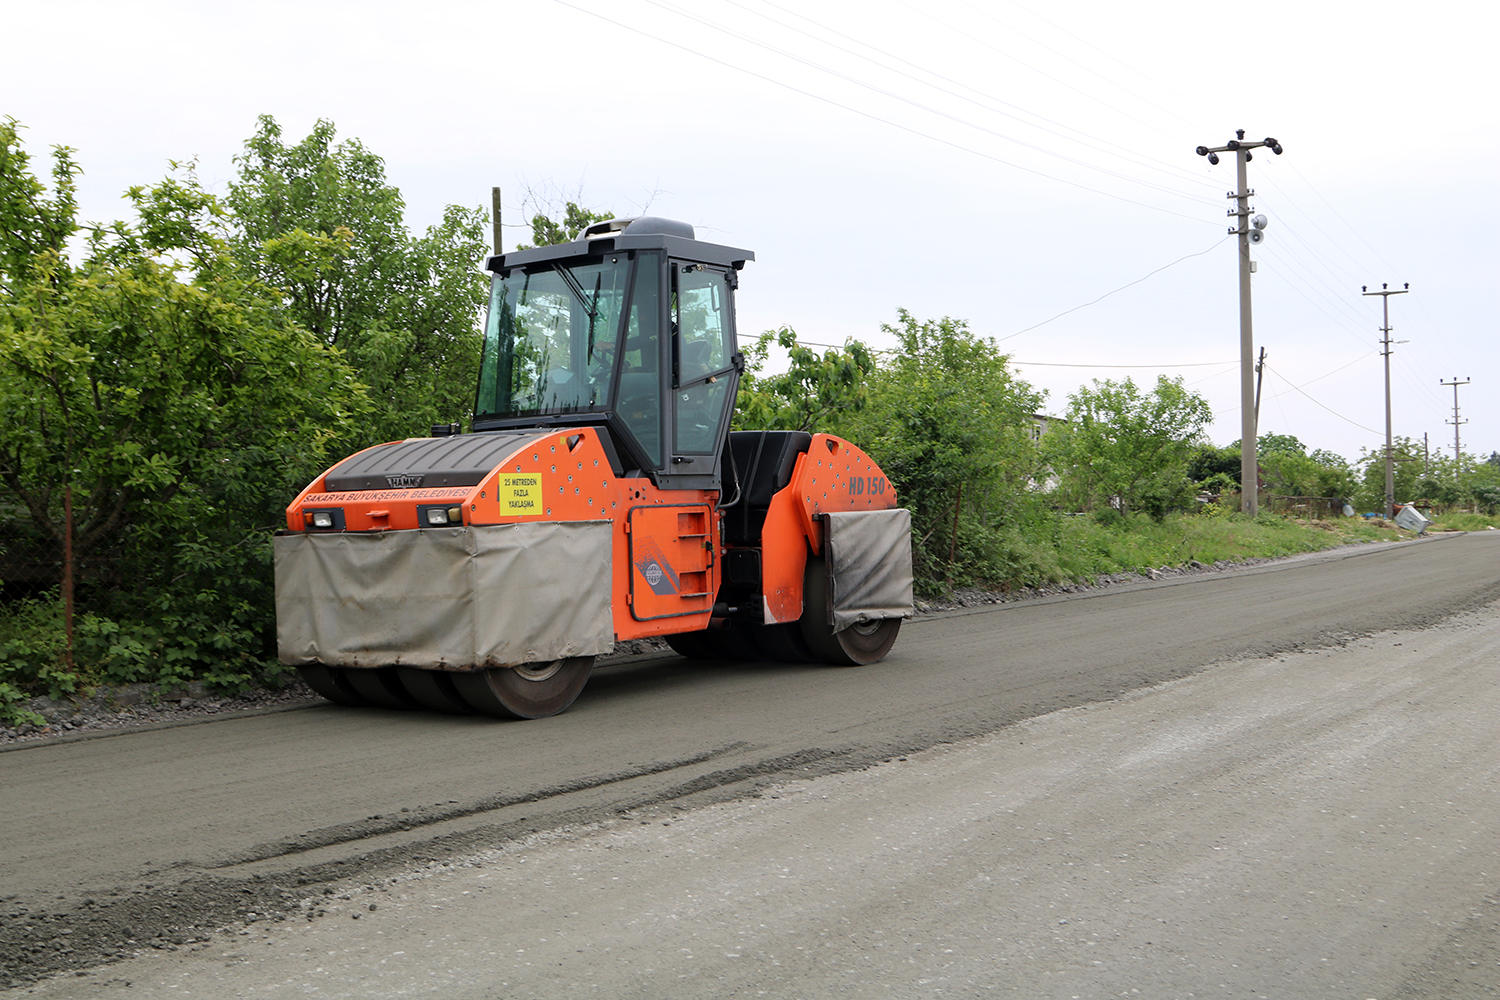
67	573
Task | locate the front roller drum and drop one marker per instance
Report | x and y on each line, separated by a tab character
434	690
331	683
528	691
857	645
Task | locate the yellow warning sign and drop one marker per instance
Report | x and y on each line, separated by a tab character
520	495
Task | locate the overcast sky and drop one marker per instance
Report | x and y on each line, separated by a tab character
1000	163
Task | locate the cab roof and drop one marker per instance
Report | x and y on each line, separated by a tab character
647	232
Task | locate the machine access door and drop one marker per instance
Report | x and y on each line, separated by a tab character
671	561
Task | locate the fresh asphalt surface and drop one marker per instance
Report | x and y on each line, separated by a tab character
139	838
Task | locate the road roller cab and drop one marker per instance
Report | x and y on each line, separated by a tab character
599	496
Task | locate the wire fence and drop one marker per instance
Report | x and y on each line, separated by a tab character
1312	508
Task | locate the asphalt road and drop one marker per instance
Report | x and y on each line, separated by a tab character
146	838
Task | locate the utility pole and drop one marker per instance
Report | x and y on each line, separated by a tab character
1458	456
1385	294
1260	372
1249	231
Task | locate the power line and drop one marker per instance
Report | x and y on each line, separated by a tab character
874	117
1225	369
1327	374
1144	161
891	95
1000	52
1113	58
1336	413
1106	295
1069	364
1336	215
1339	323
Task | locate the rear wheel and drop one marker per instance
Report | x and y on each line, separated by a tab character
330	683
857	645
529	691
434	690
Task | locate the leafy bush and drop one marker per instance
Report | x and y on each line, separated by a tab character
1109	517
32	651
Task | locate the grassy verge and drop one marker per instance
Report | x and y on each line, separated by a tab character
1087	548
1465	522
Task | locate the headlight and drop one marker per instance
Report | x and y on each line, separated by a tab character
322	519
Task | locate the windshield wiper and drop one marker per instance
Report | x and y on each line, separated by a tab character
577	290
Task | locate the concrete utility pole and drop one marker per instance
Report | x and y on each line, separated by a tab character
1249	232
1385	294
1458	456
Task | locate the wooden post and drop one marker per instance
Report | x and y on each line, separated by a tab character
495	216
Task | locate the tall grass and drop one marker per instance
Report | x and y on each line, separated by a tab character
1465	522
1082	548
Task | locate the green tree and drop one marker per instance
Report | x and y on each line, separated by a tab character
1127	446
319	221
1407	473
1271	444
34	228
953	427
1210	462
162	406
1291	473
816	392
1335	477
546	232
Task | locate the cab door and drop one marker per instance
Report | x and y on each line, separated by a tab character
705	370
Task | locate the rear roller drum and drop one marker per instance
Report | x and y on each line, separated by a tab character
331	684
529	691
434	690
730	643
784	643
380	686
857	645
